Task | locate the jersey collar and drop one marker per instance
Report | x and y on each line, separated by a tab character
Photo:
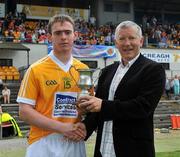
63	66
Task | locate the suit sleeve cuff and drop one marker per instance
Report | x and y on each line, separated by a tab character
107	110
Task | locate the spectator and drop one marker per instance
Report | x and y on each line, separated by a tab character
16	34
176	85
28	36
153	21
42	38
144	23
34	37
167	88
42	30
92	21
1	87
6	94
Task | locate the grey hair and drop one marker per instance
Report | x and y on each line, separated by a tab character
59	18
127	24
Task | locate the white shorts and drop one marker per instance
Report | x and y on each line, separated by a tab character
54	145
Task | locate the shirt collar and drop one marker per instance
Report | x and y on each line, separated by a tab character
63	66
130	62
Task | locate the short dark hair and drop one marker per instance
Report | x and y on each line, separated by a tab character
59	18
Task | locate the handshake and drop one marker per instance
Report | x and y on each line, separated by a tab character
77	132
74	132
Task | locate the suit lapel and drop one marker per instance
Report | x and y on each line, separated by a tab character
113	71
110	74
132	70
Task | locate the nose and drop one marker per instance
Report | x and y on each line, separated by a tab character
63	35
126	41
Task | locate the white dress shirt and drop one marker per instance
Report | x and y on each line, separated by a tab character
107	145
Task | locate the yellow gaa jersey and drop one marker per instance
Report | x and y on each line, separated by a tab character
51	87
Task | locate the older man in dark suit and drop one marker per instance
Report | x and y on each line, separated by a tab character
127	94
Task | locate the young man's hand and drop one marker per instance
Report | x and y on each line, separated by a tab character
78	132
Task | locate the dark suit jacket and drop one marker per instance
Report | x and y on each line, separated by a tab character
132	110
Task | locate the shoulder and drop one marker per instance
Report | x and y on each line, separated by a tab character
111	66
41	61
40	64
148	62
78	64
37	67
109	70
150	67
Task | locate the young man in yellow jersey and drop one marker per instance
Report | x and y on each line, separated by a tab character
47	97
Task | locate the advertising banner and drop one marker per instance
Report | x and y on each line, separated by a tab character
45	12
91	51
101	51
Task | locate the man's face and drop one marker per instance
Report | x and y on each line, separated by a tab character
62	37
128	43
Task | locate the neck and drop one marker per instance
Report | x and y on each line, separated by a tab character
124	62
63	57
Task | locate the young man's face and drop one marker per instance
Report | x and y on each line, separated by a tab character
62	37
129	43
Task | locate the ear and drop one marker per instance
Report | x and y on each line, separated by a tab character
49	36
116	43
141	41
75	35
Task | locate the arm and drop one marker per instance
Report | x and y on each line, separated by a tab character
27	98
132	101
140	100
30	115
91	123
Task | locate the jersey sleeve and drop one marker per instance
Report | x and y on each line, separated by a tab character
29	88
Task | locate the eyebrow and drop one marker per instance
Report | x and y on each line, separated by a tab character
67	30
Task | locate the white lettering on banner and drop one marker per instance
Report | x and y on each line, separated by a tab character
64	105
159	57
66	100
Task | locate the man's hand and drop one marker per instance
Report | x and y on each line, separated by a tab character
81	111
77	134
90	103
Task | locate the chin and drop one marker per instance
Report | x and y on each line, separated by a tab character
128	58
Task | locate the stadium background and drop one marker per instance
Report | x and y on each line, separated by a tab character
164	10
21	20
19	54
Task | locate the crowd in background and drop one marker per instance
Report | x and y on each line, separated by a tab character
172	87
16	28
161	35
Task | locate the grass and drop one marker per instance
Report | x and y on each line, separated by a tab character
20	152
168	154
167	142
167	145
